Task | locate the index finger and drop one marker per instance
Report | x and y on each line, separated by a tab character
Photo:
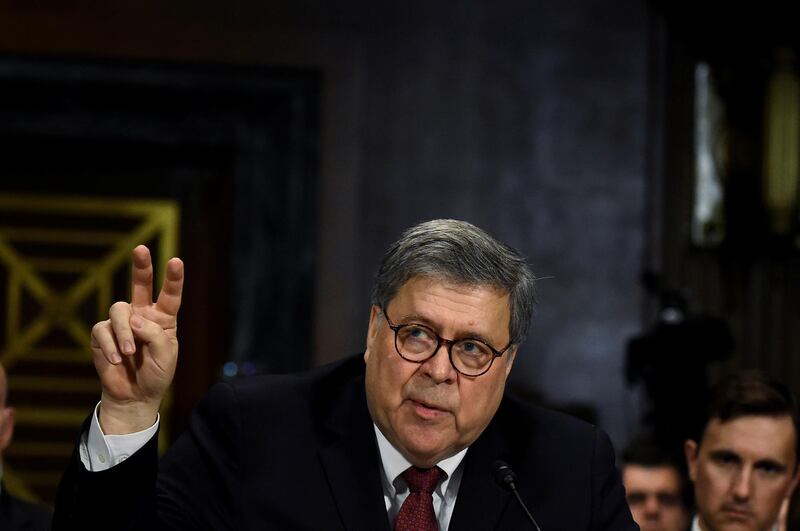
141	277
169	300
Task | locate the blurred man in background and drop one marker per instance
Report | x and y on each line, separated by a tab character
15	514
655	487
744	464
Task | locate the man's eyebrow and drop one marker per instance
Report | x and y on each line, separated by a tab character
724	452
761	463
421	319
417	319
771	463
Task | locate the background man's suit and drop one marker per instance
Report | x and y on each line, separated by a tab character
299	452
19	515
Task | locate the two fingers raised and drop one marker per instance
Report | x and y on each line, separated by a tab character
169	299
117	336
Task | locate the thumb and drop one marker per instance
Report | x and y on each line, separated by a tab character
150	333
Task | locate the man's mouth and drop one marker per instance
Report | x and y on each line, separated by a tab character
737	513
427	410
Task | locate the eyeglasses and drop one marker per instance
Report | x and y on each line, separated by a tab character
418	343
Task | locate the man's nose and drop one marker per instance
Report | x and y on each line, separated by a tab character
438	366
743	483
652	507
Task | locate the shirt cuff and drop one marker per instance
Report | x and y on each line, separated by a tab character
100	452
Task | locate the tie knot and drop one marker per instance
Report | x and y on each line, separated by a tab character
422	479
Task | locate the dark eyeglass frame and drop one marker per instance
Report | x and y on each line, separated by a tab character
448	342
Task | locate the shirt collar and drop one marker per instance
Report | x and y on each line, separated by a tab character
394	463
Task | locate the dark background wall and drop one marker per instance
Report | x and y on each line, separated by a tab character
526	118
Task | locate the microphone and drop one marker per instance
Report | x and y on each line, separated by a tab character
506	478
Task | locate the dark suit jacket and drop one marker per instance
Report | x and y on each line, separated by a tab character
19	515
299	452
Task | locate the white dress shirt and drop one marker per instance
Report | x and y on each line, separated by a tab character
395	490
100	452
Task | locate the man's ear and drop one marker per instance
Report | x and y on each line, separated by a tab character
6	427
795	480
690	448
372	329
512	354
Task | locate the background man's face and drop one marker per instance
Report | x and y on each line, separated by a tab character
6	413
429	411
742	470
654	496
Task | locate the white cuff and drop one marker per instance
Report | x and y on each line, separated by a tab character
100	452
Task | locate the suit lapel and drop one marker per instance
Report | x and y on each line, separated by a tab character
351	463
481	502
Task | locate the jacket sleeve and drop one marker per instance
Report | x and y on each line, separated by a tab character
194	487
121	497
199	481
610	511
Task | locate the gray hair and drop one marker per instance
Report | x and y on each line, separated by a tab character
462	253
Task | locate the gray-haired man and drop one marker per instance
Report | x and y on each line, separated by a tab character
406	436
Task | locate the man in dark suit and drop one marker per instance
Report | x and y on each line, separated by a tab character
16	514
406	436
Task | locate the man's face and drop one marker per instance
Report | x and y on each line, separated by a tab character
429	411
6	414
654	496
742	470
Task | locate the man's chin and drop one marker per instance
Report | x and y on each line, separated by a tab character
424	456
657	527
734	521
423	450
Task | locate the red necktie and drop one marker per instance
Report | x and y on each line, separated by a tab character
416	513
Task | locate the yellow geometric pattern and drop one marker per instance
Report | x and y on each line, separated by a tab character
64	262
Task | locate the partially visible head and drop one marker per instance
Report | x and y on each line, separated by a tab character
655	487
6	413
744	463
463	284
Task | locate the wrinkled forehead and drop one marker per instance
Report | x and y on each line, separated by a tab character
480	309
418	284
450	282
420	288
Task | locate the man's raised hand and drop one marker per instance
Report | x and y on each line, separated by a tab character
136	349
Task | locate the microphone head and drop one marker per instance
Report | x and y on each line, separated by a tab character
503	474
